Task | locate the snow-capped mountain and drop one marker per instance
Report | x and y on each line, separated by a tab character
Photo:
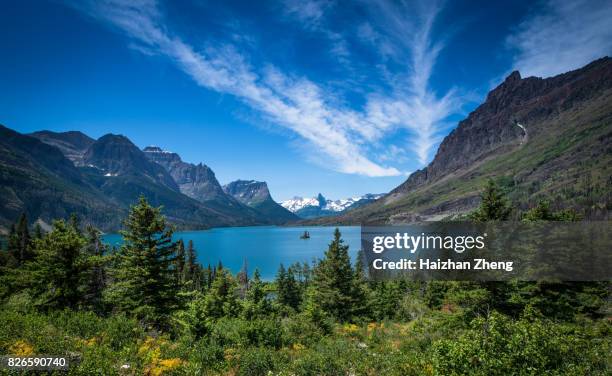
297	203
313	207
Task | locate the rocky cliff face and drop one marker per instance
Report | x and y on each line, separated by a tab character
72	144
249	192
196	181
492	128
256	194
241	198
116	155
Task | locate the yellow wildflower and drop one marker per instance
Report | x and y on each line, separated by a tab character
350	328
298	347
21	348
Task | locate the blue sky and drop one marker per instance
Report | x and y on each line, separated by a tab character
342	98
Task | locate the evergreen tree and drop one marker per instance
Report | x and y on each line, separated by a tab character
208	277
362	291
256	304
75	223
56	277
542	212
243	279
12	248
38	231
20	242
95	280
333	285
180	262
144	278
288	291
222	298
193	273
494	205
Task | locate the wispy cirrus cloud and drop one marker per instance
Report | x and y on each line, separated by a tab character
309	12
345	135
413	105
311	15
295	103
562	35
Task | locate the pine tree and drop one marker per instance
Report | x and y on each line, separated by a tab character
333	285
193	274
95	280
38	231
57	274
243	279
208	276
494	205
180	262
222	298
361	292
12	248
75	223
288	291
144	278
542	212
256	304
20	242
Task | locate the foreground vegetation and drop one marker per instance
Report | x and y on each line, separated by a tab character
150	308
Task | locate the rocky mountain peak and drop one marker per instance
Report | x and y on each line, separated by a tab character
248	191
73	144
196	181
116	155
322	200
491	128
256	194
514	77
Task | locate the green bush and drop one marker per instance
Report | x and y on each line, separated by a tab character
257	361
236	332
529	346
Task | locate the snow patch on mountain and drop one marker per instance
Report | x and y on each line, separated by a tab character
298	203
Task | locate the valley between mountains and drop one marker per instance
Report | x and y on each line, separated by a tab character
538	138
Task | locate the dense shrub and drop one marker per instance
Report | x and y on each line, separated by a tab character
528	346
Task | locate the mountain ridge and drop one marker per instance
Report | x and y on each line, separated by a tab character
314	207
568	121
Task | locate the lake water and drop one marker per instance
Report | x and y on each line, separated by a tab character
263	247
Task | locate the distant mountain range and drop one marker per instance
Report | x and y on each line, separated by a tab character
540	139
319	206
50	175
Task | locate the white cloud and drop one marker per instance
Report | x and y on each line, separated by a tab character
309	12
311	15
297	104
562	36
413	105
343	135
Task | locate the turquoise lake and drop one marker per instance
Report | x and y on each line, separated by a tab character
263	247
